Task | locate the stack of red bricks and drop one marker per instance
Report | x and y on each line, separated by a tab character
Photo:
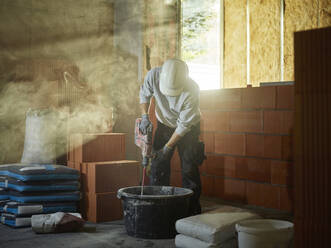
248	134
101	160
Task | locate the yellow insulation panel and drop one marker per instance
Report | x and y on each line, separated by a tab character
235	73
299	15
264	41
324	13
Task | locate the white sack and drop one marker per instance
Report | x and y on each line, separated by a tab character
47	223
182	241
215	226
40	137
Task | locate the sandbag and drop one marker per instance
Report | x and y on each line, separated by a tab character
39	172
24	209
40	136
2	204
19	185
4	194
15	221
214	227
57	222
49	196
183	241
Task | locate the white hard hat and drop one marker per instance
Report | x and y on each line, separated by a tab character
174	75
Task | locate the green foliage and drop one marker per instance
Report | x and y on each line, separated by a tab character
195	25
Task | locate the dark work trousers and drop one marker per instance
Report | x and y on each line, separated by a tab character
160	170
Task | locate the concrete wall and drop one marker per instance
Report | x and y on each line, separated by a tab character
40	42
128	37
128	29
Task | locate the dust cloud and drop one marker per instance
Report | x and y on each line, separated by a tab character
87	102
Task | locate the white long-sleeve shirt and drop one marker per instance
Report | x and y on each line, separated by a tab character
180	112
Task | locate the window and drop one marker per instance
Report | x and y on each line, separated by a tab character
202	41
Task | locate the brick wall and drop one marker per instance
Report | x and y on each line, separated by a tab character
248	138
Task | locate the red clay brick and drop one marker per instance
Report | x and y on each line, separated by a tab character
267	146
258	170
229	189
209	140
262	194
287	148
221	166
246	121
273	147
74	165
259	98
176	179
175	162
203	167
71	148
207	184
97	147
103	177
71	164
226	143
285	97
226	166
207	99
253	193
282	173
268	97
241	168
230	167
286	199
227	99
288	125
215	121
102	207
272	122
254	145
75	148
214	165
278	122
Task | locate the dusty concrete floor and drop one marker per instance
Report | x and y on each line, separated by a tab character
110	234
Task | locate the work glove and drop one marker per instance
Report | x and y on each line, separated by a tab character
163	154
144	124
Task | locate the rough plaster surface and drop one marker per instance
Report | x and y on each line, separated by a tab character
324	13
264	41
235	73
299	15
40	41
160	32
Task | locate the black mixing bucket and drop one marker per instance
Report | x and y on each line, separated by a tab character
153	214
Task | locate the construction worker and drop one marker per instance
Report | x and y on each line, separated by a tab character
178	125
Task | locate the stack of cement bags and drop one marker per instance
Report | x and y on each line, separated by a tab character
4	198
211	229
28	189
37	185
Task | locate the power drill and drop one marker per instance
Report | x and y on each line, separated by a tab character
144	142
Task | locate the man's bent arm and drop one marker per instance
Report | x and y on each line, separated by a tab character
173	140
144	108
